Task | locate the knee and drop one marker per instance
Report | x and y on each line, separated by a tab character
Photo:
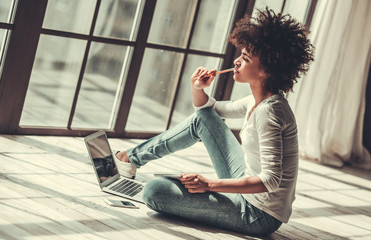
206	114
157	193
152	189
205	111
208	117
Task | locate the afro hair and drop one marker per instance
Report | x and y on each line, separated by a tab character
280	42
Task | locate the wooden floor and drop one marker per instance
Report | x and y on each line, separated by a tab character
48	190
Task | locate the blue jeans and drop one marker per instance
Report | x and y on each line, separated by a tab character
224	210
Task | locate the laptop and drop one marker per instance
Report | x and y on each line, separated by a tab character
106	170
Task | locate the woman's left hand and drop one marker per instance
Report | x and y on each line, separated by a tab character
195	183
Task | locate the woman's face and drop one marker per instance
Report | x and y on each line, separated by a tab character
247	69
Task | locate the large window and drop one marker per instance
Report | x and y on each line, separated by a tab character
79	73
118	65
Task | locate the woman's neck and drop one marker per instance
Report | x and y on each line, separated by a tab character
260	94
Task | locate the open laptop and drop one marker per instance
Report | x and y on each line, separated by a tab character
106	170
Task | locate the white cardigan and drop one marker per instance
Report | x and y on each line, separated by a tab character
269	141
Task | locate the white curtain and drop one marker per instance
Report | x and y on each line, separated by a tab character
329	102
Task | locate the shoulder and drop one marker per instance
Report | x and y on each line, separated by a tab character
275	110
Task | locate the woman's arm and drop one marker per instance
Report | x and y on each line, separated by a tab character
196	183
201	79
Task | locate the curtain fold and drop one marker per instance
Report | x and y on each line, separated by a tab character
329	102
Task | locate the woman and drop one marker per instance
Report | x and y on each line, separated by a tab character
256	180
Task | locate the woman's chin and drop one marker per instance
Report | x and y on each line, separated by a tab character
236	79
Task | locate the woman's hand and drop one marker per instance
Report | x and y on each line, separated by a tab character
195	183
202	78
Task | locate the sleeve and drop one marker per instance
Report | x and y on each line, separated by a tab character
210	103
269	128
228	109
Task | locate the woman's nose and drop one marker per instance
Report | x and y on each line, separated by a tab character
236	62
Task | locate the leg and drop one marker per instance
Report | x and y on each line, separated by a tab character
206	125
176	138
223	148
228	211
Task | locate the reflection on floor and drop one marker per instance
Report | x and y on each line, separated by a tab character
49	191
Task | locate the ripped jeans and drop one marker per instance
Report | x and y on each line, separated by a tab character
223	210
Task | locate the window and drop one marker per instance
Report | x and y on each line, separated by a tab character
78	74
81	65
161	72
7	9
119	65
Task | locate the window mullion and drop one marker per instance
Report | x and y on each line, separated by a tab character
20	55
197	10
83	65
6	26
283	6
225	84
136	61
310	13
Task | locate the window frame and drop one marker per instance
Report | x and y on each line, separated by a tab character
20	54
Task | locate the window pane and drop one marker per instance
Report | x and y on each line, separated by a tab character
4	36
53	81
240	90
183	103
212	30
117	18
297	9
172	22
276	5
69	15
101	86
154	91
5	7
2	43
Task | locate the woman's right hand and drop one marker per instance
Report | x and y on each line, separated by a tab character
202	78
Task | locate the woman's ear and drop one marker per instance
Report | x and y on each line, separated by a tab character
262	75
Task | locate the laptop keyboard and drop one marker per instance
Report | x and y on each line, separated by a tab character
127	187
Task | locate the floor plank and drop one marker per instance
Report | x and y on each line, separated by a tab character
49	190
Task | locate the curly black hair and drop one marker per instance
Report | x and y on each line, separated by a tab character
280	42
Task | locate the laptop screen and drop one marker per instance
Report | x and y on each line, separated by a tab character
102	157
